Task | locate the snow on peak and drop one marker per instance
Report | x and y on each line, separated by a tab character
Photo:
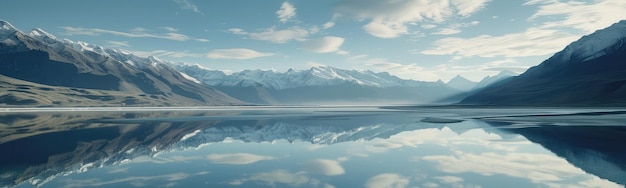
6	31
315	76
40	33
4	25
594	45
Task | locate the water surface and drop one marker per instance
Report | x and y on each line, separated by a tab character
313	147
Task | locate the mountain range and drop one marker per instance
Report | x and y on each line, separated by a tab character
70	73
588	72
321	85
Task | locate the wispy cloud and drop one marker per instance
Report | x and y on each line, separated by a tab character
170	29
447	31
166	53
391	19
468	7
118	44
585	16
282	178
236	54
286	12
188	5
276	36
324	45
532	42
237	158
95	182
134	33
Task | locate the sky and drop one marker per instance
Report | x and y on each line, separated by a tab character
414	39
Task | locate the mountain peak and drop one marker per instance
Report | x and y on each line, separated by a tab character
458	78
461	83
6	31
4	25
38	32
506	73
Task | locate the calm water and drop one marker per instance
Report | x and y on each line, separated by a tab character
314	147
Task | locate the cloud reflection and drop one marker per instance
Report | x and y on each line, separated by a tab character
133	180
325	167
237	158
387	180
280	178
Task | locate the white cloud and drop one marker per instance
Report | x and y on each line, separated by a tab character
382	29
286	12
170	29
236	53
237	158
428	26
165	53
118	43
325	167
390	19
387	180
585	16
134	33
447	31
468	7
324	45
188	5
275	36
532	42
328	25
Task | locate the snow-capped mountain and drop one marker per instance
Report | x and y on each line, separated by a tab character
316	76
117	54
42	58
461	83
590	71
319	85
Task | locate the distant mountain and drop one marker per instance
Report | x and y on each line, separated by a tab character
316	76
590	71
461	83
319	85
488	80
41	58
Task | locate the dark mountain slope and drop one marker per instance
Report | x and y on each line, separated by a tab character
591	71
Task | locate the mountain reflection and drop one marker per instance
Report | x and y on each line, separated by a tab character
37	147
595	149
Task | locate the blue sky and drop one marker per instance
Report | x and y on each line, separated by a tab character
415	39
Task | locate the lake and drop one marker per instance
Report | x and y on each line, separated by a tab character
313	147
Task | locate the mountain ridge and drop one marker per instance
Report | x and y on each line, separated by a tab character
41	58
579	75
